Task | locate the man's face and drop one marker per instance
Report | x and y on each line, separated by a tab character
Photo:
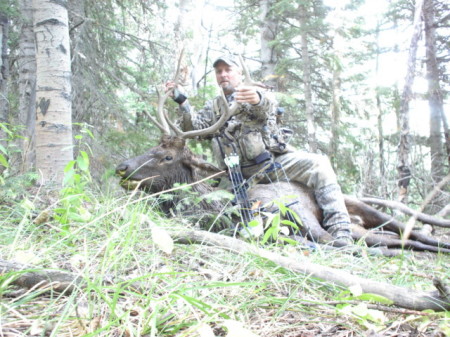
228	77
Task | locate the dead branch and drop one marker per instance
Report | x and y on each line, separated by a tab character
55	280
377	306
372	218
400	296
422	217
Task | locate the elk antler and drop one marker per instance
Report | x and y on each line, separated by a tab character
162	121
230	111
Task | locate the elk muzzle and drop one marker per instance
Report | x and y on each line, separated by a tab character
126	181
121	170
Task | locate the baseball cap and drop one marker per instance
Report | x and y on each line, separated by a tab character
227	59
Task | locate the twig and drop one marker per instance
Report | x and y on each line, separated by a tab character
375	306
410	224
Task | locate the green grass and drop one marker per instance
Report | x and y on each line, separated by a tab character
133	288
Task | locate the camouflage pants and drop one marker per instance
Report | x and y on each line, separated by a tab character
315	171
310	169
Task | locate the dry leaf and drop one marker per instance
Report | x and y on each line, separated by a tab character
205	331
37	328
162	239
25	256
356	289
42	217
236	329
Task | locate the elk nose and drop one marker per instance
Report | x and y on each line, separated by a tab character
121	170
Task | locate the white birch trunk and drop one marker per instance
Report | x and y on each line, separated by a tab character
27	85
4	74
53	89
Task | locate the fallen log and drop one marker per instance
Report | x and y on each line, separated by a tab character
31	276
422	217
400	296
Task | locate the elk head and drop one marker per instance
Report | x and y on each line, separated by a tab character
164	165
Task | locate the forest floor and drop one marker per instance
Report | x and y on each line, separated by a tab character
138	282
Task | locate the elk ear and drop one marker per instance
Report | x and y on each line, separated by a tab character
200	168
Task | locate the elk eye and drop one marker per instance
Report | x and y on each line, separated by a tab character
168	158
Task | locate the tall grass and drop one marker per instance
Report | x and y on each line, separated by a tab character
133	288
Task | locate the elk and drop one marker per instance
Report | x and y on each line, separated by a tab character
172	162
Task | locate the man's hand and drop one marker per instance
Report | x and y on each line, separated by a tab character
170	85
246	94
176	95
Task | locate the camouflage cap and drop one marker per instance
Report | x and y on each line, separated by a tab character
229	59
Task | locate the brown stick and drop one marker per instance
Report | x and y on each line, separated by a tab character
376	307
409	211
59	281
402	297
373	218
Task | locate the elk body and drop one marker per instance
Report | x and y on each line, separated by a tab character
172	162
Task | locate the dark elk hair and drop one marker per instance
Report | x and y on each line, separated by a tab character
199	167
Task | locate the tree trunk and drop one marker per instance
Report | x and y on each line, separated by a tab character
336	100
311	125
435	97
336	94
53	89
404	147
269	57
382	189
4	74
79	64
27	85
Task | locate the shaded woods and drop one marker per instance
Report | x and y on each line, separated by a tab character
364	83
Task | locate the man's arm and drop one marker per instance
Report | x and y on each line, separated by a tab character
190	118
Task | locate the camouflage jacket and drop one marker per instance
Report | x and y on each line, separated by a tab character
249	133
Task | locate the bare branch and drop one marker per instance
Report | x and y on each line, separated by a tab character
407	210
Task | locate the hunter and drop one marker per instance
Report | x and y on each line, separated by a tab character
254	135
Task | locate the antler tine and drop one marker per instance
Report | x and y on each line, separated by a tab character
180	59
247	78
202	132
155	121
230	111
162	121
164	126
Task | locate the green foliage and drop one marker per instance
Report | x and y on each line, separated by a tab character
9	8
130	143
74	194
7	147
132	287
14	187
283	221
